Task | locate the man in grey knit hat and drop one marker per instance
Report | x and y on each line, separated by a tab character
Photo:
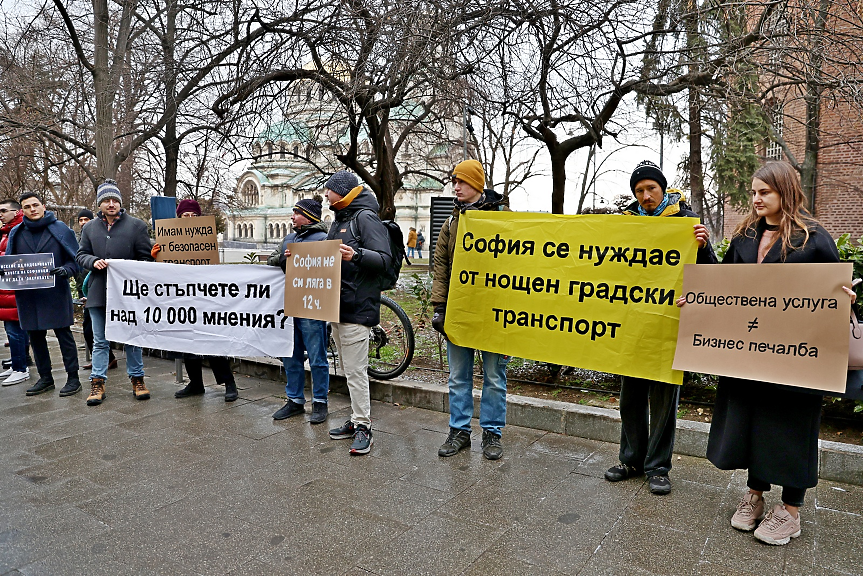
113	234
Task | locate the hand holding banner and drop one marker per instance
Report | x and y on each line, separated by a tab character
781	323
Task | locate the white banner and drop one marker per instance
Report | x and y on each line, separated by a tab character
219	310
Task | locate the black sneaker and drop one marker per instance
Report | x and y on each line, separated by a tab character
42	385
659	484
456	441
290	408
189	390
492	448
345	431
231	393
319	413
73	386
362	440
621	472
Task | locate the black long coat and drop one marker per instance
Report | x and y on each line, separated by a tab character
769	429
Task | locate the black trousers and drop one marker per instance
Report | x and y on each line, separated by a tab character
648	414
43	358
220	365
88	336
790	495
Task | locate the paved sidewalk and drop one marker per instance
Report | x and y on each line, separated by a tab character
198	486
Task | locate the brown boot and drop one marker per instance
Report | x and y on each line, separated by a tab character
97	392
140	391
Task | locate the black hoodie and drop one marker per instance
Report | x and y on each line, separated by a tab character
361	294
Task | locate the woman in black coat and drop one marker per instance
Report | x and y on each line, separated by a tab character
769	429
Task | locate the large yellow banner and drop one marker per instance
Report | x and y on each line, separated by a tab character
595	292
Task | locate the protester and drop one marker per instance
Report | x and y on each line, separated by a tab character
468	180
220	365
412	241
366	252
85	216
43	309
19	342
768	429
310	336
421	240
648	409
115	235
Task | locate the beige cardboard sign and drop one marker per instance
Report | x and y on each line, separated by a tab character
187	240
313	280
781	323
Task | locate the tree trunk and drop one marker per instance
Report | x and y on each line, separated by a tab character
696	165
170	142
558	179
104	95
809	170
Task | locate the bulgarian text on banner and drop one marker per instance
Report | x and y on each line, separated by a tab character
595	292
220	310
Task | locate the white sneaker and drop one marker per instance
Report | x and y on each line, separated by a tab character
17	377
6	373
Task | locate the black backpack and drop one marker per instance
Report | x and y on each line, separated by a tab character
387	280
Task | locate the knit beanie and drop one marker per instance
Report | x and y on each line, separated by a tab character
86	214
342	182
108	189
188	205
309	208
471	172
647	170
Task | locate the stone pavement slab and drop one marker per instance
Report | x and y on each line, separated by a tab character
200	486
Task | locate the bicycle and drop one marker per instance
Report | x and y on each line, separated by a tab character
391	342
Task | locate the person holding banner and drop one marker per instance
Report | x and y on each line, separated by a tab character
310	336
366	253
43	309
648	409
19	342
220	365
468	179
112	235
85	216
771	430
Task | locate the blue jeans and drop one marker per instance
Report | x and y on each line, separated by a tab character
101	348
309	336
18	343
492	413
410	253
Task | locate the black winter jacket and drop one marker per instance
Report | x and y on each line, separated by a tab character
127	240
361	293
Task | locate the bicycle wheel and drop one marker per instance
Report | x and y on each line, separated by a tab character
391	342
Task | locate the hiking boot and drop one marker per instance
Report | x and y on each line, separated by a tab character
362	440
659	484
72	386
231	393
778	527
319	413
492	448
97	392
457	441
41	386
190	390
17	377
346	430
139	389
290	408
621	472
750	510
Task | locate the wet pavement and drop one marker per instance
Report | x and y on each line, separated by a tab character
198	486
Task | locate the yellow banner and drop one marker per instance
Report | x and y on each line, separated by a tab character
595	291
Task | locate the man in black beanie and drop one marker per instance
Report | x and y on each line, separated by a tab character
648	409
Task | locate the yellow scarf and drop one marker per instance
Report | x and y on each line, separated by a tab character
346	200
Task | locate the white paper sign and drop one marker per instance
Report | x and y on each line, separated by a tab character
220	310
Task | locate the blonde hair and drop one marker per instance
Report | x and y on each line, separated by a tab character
794	218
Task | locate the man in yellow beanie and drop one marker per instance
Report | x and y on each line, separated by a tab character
468	179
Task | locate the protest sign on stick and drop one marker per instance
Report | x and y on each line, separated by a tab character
780	323
313	280
26	271
223	310
187	240
594	291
